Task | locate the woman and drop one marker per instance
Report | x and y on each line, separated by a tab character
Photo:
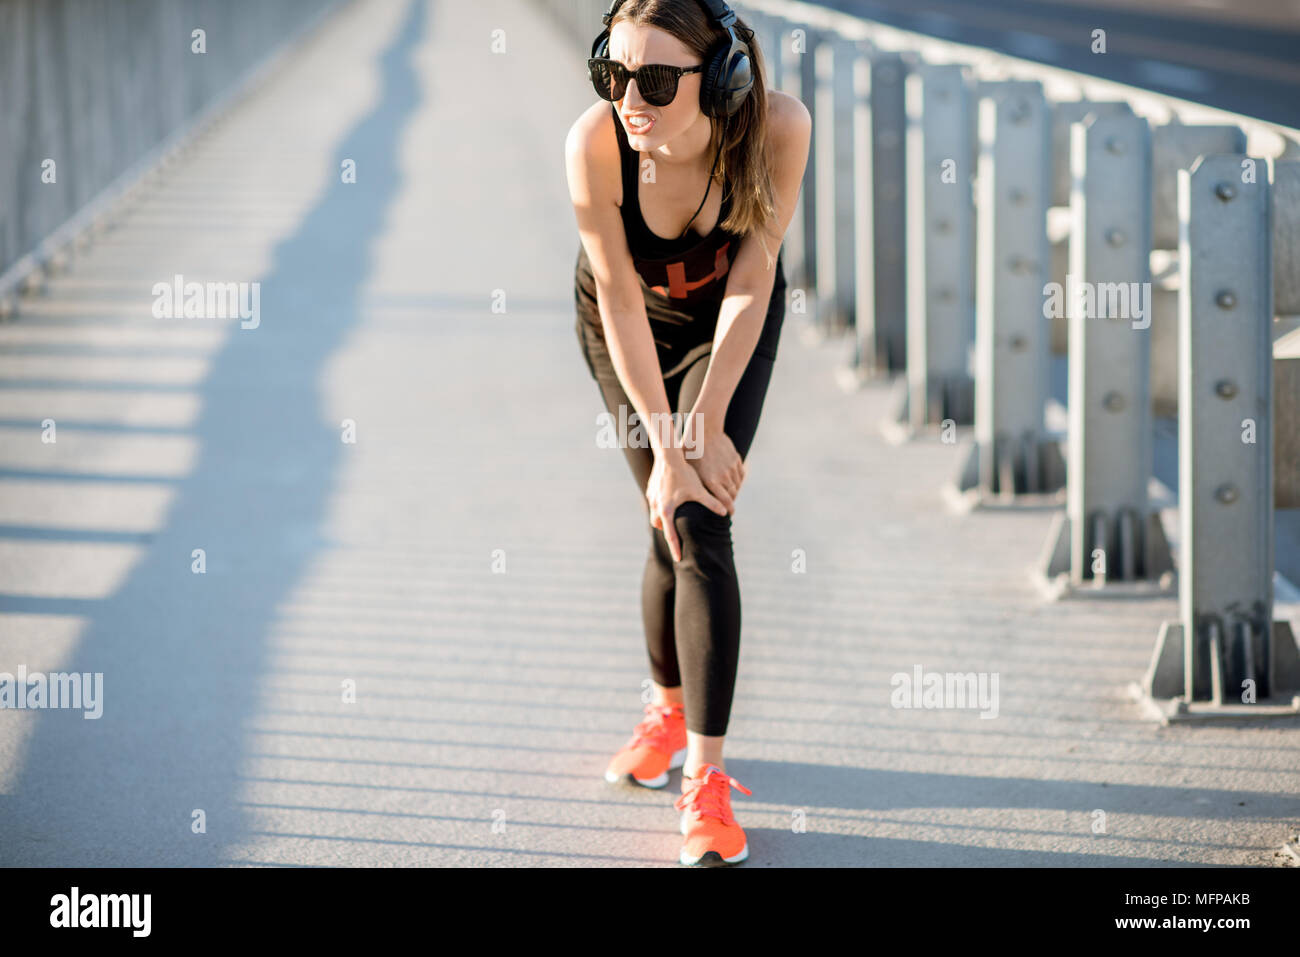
681	313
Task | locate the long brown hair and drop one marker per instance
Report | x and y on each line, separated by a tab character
744	161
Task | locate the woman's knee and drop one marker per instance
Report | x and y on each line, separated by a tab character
704	535
701	530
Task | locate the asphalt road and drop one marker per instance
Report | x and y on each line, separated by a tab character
1239	57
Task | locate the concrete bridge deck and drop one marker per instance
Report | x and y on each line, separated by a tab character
487	704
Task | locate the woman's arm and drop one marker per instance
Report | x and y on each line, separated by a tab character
744	305
595	180
751	277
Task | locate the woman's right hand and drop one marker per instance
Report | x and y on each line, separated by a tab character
672	482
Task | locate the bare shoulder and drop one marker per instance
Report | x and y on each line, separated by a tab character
591	153
789	121
590	122
592	135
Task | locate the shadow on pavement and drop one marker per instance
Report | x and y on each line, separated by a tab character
183	654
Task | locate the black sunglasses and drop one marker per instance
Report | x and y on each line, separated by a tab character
656	82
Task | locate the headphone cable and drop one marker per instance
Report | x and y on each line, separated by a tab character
717	156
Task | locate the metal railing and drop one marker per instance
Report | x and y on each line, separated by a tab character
95	96
1168	236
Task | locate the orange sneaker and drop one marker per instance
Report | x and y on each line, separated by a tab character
713	838
658	745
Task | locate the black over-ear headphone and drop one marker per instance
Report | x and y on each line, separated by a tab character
728	75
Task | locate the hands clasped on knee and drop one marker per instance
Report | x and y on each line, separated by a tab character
713	478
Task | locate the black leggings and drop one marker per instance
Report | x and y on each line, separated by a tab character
691	608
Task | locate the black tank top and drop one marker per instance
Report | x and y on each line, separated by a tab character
685	269
683	280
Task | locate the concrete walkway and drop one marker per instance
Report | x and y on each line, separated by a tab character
487	703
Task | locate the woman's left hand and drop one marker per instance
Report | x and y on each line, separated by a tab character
710	451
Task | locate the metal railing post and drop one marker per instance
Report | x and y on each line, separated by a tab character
1011	454
807	68
881	314
940	251
767	31
1225	649
1109	534
1174	147
1286	303
795	49
1286	236
836	249
1065	115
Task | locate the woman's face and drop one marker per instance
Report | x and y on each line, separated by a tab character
634	45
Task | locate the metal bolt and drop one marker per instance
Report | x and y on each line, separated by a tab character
1018	265
1114	145
1225	389
944	294
1225	299
1115	237
1018	343
1017	196
943	226
1019	112
1225	191
1226	494
1113	402
941	95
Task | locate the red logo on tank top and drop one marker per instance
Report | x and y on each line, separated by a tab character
679	288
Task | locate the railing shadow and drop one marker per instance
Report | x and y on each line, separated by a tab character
182	653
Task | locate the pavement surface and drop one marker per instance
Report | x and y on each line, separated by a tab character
421	647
